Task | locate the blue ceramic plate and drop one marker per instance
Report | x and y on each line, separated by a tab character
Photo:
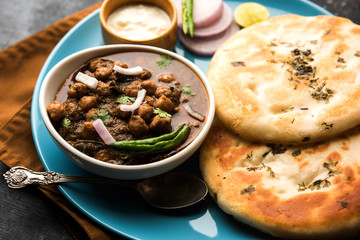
122	210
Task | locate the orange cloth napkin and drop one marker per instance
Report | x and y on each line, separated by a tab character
20	66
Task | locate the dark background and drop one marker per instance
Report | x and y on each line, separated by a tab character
26	213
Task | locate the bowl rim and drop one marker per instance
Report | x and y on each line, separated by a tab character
103	21
192	146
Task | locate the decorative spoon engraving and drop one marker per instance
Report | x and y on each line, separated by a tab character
171	190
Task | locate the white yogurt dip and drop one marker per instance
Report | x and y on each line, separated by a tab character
139	21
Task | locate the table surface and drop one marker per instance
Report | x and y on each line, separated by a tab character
26	213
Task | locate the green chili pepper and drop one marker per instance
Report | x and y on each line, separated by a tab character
154	140
191	20
149	145
142	148
187	17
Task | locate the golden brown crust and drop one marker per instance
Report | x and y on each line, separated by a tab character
290	79
296	192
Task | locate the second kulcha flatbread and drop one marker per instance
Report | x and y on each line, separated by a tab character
289	79
304	192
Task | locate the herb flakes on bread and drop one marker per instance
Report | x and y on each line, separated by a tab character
295	192
290	79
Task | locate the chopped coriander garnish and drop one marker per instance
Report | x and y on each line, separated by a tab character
65	122
102	114
125	99
162	113
187	90
164	61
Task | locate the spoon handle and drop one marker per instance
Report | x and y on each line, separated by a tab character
19	177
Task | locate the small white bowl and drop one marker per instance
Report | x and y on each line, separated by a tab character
55	79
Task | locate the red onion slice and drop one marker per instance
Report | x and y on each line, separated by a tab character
128	71
218	26
91	82
192	113
207	46
139	99
205	12
102	131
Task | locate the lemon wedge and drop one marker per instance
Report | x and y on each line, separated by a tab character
249	13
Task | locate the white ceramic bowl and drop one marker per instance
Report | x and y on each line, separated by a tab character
55	79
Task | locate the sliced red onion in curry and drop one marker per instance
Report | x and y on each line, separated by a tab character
192	113
102	131
139	99
91	82
128	71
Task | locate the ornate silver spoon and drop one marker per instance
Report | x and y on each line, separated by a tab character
171	190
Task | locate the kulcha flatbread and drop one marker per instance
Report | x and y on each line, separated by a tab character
307	192
290	79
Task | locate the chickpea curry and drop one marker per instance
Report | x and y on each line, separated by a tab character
130	108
